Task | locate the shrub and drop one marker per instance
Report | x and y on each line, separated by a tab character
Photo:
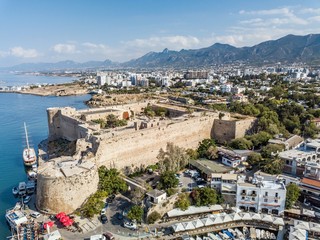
153	217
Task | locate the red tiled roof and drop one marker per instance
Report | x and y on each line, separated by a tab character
311	182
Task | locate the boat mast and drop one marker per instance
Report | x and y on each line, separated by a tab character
25	129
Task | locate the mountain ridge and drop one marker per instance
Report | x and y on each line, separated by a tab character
288	49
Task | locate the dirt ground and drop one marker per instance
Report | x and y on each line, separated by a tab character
58	90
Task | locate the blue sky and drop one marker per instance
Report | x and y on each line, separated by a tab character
119	30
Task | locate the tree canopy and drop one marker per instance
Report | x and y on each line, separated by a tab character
110	180
207	149
183	201
293	193
168	180
205	196
135	213
173	159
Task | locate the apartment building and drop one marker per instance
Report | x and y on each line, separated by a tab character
260	195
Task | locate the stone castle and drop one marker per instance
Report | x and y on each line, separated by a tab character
65	182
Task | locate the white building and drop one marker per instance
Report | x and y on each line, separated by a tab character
263	196
156	196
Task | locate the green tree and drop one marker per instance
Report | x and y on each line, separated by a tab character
204	146
260	139
135	213
241	143
193	154
205	196
173	159
293	193
153	217
273	166
254	159
110	180
183	201
270	149
168	180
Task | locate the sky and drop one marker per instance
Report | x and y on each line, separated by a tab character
120	30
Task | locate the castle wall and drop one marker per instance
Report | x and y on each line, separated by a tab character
227	130
223	130
142	147
65	194
63	125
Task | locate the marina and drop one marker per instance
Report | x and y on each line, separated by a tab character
11	162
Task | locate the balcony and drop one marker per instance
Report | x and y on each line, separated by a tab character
243	194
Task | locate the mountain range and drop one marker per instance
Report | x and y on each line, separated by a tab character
288	49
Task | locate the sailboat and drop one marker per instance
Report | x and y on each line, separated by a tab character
29	155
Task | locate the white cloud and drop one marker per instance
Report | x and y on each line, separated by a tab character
275	11
314	19
24	53
310	10
171	42
64	48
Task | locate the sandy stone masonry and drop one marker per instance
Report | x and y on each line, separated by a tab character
65	182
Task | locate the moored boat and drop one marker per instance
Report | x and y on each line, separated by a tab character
15	191
29	154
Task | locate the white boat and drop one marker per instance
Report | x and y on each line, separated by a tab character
29	154
32	175
22	188
273	236
258	233
267	234
15	191
263	234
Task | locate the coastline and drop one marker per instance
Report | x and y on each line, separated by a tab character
56	90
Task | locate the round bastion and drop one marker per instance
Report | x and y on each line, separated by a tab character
64	184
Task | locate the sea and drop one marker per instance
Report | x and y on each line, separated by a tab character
15	109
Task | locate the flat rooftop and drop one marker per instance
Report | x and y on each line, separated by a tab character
209	166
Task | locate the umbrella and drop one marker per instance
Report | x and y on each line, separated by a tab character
68	223
246	217
60	215
64	219
217	220
48	224
235	217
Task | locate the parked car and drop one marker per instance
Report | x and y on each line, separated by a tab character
98	237
119	216
108	236
130	225
35	214
104	218
103	211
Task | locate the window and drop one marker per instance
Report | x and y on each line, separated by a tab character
276	194
253	199
266	194
242	198
276	200
265	200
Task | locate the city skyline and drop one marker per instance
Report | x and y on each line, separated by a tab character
51	31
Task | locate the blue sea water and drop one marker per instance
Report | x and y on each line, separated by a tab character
14	110
9	79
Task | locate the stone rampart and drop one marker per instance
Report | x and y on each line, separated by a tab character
227	130
142	147
65	189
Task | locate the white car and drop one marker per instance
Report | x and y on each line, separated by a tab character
35	214
103	211
130	225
